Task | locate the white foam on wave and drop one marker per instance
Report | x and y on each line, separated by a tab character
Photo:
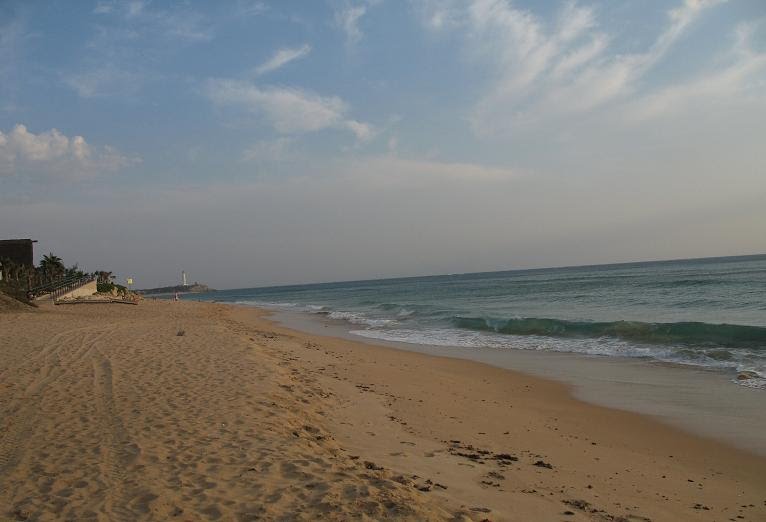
384	329
289	307
351	317
759	383
357	318
593	346
268	304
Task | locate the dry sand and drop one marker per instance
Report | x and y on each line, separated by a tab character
107	413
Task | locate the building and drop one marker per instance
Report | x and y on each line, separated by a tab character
18	251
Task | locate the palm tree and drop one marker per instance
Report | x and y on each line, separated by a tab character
52	265
104	276
74	271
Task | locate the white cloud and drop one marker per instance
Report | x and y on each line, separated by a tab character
721	85
251	8
288	110
362	131
348	17
542	74
348	20
680	19
576	58
438	15
574	21
282	57
51	153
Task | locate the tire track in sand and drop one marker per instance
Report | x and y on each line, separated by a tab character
118	451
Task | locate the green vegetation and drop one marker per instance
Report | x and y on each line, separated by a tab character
52	266
18	280
107	287
23	282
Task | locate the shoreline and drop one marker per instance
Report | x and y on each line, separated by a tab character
629	430
213	412
700	401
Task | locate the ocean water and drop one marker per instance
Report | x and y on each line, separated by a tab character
708	313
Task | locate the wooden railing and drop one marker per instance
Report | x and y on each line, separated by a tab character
60	287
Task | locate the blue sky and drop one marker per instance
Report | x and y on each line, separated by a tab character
254	142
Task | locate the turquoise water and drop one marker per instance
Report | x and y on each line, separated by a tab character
705	312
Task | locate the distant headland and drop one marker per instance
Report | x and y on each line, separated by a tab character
196	288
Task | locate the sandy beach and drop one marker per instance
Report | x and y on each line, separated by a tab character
200	411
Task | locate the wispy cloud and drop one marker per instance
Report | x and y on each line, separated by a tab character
722	84
362	131
288	110
103	7
282	57
543	73
251	8
348	16
52	154
128	41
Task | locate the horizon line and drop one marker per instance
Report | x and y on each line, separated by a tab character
558	267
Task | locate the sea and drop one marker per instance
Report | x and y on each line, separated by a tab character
704	313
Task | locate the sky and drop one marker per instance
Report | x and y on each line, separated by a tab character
256	143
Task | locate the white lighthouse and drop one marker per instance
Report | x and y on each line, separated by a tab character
183	278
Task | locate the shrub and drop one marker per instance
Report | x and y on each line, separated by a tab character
107	288
104	288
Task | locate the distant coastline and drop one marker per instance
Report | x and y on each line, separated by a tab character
196	288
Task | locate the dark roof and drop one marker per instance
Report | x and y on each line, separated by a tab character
17	250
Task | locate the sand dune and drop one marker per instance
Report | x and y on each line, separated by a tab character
9	304
194	411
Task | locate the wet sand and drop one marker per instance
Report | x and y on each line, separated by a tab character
698	400
198	411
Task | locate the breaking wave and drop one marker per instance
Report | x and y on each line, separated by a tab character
682	333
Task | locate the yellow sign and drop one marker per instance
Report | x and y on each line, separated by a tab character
130	280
